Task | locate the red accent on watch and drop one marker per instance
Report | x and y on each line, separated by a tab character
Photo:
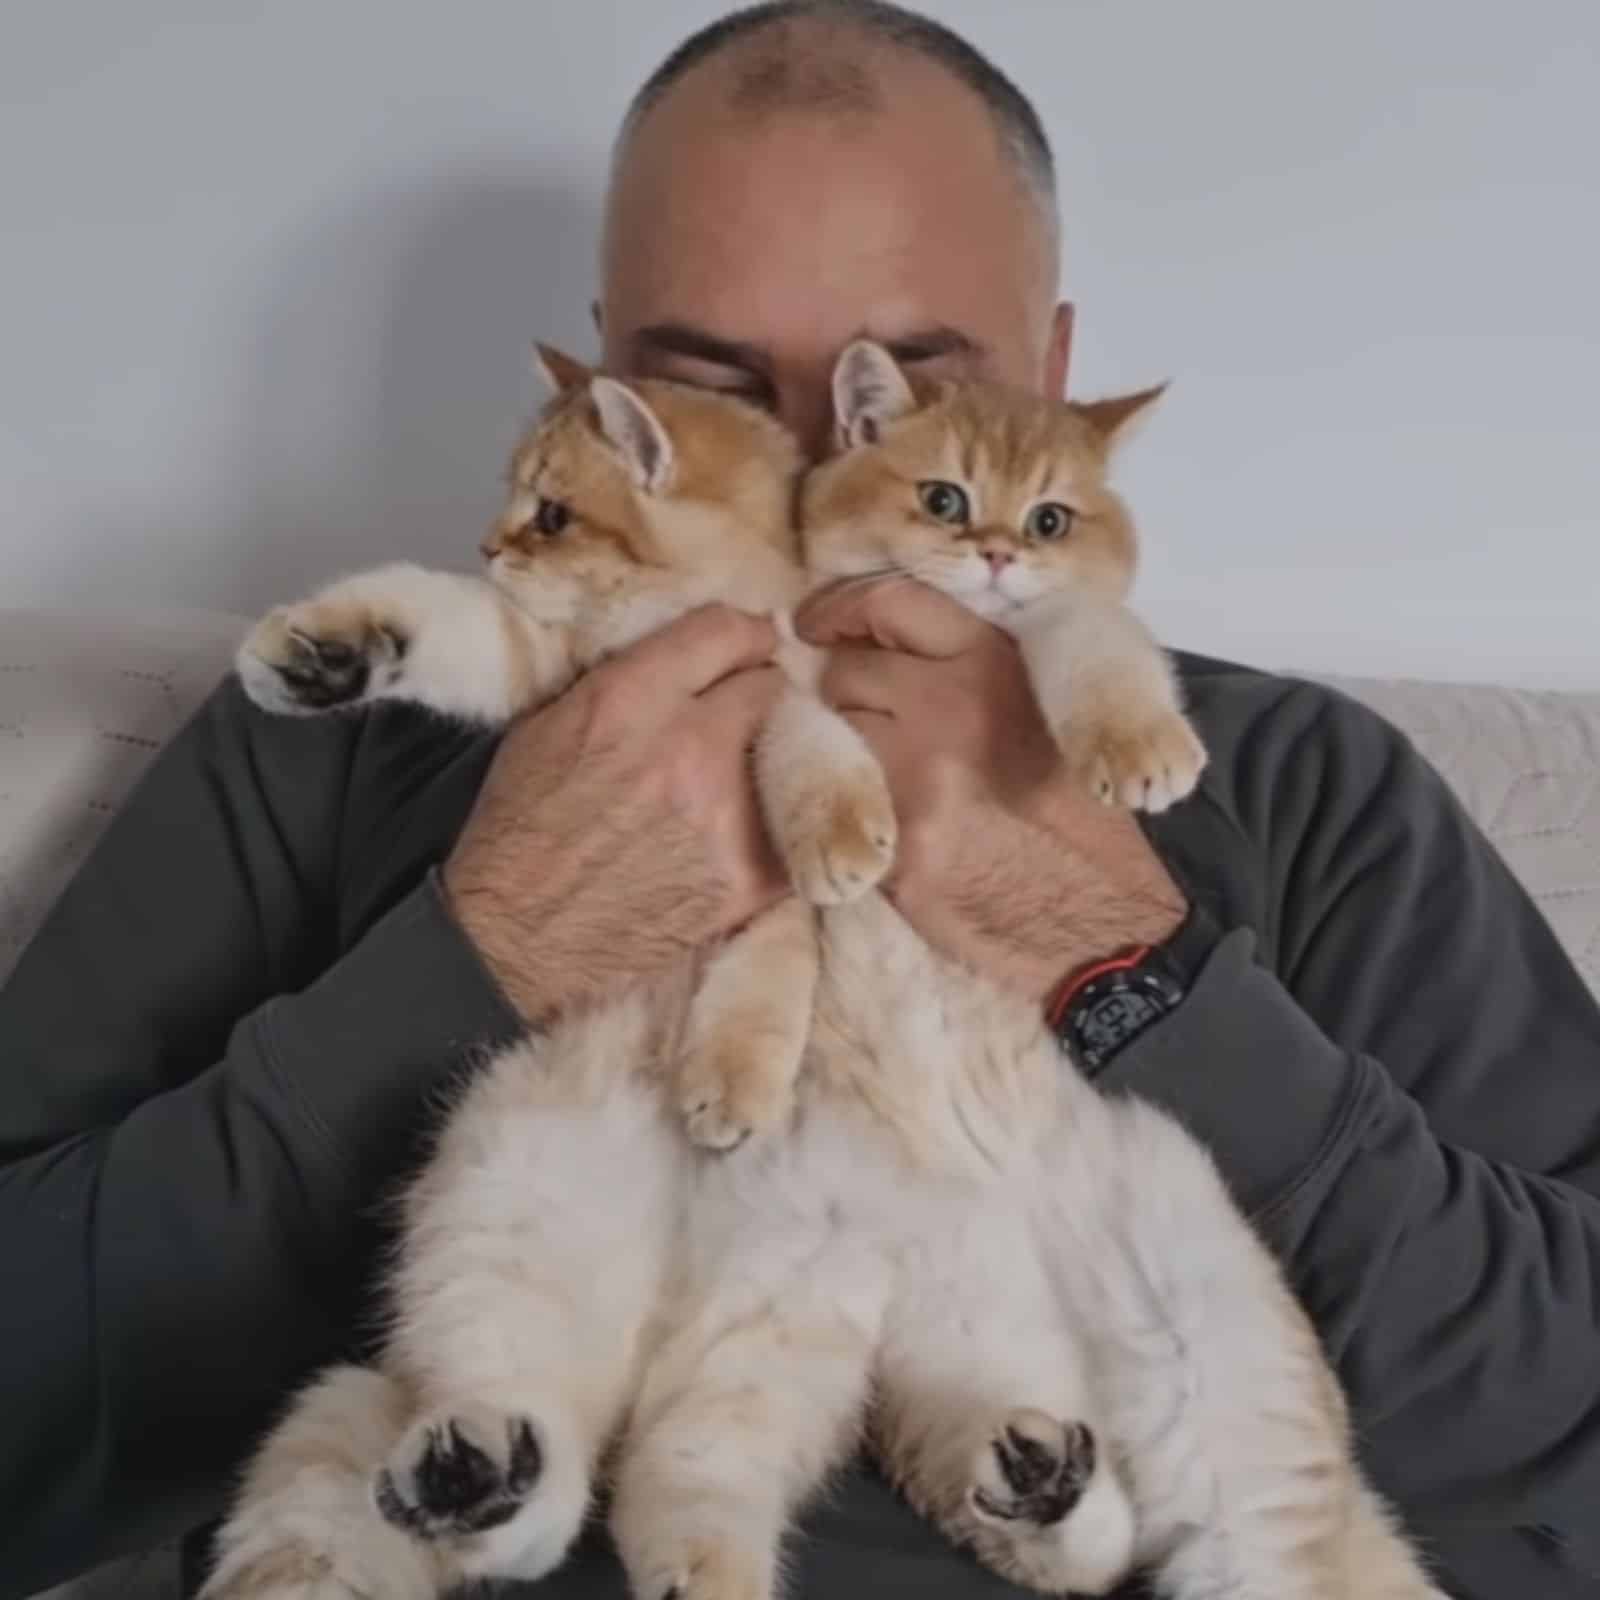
1075	983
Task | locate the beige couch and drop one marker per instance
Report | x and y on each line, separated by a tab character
86	700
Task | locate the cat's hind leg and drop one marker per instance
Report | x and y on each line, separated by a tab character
303	1526
1234	1428
533	1258
985	1413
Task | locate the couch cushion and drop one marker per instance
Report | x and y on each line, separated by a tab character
1526	765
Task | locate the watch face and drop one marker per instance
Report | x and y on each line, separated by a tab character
1114	1011
1106	1024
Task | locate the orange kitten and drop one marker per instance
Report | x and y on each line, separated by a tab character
1000	499
627	505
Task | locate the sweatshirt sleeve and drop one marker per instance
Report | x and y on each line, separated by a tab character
201	1096
1398	1070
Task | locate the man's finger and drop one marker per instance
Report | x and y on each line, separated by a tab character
860	677
741	703
893	613
885	737
687	657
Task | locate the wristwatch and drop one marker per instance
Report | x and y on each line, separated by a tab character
1097	1012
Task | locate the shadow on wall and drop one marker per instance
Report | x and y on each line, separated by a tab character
392	374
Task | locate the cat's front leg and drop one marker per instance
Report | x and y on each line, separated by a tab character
439	639
824	796
1110	696
747	1028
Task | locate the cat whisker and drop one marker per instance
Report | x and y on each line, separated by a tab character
863	580
885	577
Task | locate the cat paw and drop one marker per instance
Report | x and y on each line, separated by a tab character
1146	767
251	1585
318	656
728	1093
1046	1512
1034	1469
293	1567
708	1568
456	1475
847	849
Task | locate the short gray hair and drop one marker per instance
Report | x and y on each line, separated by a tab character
838	82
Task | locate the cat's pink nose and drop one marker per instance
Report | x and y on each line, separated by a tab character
999	557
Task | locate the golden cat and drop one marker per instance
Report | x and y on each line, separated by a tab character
1082	1360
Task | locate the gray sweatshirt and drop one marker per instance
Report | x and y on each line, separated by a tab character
219	1054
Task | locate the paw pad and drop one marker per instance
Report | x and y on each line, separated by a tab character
1039	1470
447	1483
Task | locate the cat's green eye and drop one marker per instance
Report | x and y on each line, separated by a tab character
551	518
945	502
1049	521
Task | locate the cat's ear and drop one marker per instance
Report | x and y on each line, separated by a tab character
869	391
636	432
559	371
1112	420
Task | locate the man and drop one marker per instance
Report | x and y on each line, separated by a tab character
219	1050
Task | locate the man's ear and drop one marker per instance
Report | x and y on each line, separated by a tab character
636	433
1058	354
1112	420
558	370
869	392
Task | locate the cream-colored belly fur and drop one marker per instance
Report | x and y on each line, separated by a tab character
957	1242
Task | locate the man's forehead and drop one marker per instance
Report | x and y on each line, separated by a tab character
796	232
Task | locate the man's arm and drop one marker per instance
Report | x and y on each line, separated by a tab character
219	1048
201	1096
1404	1092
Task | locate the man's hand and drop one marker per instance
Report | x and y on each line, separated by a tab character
1003	863
617	829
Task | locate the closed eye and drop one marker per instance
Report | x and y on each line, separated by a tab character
752	389
755	394
683	354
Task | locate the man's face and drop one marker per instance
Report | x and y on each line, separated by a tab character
746	254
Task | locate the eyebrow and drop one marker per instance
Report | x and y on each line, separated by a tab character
681	339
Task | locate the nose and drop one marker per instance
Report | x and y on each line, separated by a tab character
808	415
802	398
998	556
494	541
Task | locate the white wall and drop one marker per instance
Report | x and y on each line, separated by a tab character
267	274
